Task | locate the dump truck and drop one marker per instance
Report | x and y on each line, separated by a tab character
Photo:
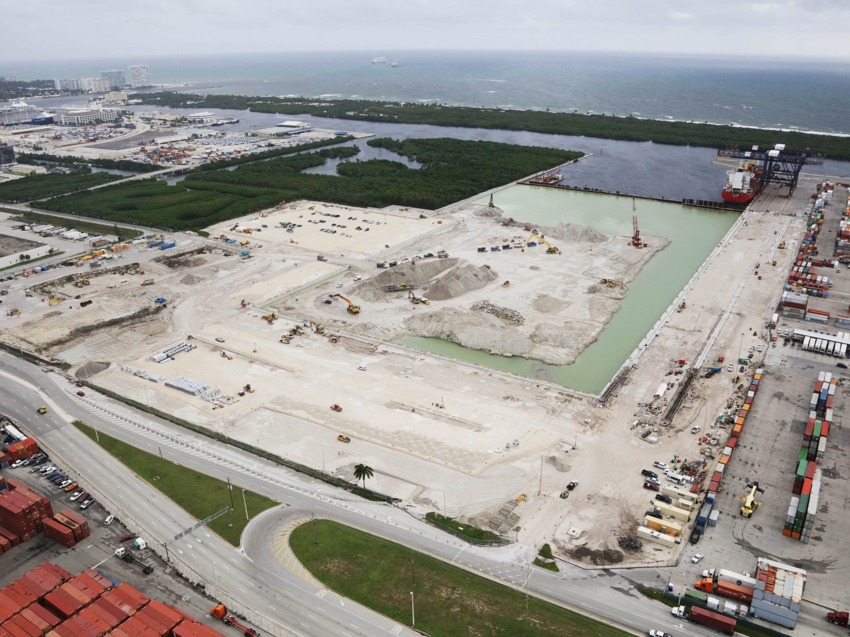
220	612
147	282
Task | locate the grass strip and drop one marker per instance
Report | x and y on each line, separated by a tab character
196	492
471	533
549	566
449	601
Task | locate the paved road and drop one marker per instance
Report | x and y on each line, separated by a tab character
258	577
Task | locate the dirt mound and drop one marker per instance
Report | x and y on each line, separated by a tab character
90	369
470	329
185	262
548	304
577	233
559	462
437	279
191	279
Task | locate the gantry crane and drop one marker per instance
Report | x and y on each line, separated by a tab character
353	309
550	250
779	165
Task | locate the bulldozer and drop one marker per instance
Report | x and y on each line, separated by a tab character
549	250
270	318
318	329
220	612
353	309
333	338
750	504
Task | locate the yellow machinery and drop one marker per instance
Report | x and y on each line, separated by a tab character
750	504
610	282
55	301
42	410
318	329
280	205
781	246
550	250
353	309
506	284
416	300
270	318
248	389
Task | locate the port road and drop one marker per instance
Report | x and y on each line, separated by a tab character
282	591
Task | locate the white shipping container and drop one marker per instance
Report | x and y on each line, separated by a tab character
731	577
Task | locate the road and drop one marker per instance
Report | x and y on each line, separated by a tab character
254	575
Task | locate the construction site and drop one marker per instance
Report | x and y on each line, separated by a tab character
277	330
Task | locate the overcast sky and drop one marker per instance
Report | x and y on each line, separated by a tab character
84	29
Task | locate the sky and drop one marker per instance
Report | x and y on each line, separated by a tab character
88	29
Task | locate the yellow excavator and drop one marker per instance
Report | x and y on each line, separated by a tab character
750	504
550	250
318	329
610	282
280	205
353	309
416	300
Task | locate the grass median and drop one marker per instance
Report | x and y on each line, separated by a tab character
198	493
449	601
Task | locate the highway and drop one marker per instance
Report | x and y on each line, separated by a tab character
262	575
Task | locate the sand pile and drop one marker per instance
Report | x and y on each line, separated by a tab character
459	280
191	279
471	329
577	233
437	279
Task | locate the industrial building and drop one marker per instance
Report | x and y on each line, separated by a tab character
140	75
15	250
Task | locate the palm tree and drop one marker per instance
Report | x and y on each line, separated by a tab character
362	471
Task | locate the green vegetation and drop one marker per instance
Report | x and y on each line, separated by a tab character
26	89
549	566
197	493
452	170
465	531
115	164
38	186
604	126
654	593
361	472
450	602
123	234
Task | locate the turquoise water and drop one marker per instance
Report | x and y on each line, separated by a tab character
693	234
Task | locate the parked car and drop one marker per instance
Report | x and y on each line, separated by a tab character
109	520
361	368
83	497
79	393
64	484
85	505
77	495
651	480
696	558
648	473
651	486
71	487
128	537
696	430
666	499
660	465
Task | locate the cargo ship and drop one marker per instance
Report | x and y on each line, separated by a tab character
743	184
395	63
379	60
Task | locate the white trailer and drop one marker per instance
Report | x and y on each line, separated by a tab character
807	342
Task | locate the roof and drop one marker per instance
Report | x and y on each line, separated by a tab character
15	245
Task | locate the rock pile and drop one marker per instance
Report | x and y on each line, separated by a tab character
630	543
512	316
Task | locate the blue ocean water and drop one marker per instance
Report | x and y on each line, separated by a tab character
807	95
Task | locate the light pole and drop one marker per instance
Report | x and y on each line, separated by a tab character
245	502
230	490
215	577
412	611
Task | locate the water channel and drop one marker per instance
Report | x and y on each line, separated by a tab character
692	232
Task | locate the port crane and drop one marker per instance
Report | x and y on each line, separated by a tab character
636	242
750	504
781	165
354	309
550	250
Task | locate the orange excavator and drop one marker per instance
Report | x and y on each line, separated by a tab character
220	612
353	309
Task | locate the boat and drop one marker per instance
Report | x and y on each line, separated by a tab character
395	63
546	180
379	60
21	113
743	184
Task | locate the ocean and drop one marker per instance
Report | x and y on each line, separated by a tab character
805	95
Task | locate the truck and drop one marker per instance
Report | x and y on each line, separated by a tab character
147	282
715	620
245	253
838	618
320	258
220	612
128	557
382	265
156	244
727	589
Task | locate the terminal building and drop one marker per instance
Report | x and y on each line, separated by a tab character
87	117
14	250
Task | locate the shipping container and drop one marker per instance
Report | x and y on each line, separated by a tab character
715	620
734	591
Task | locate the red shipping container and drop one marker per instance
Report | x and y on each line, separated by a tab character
45	615
715	620
717	477
734	591
714	486
25	625
824	430
732	442
108	608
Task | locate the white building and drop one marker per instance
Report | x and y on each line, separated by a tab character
10	78
68	85
14	250
140	75
95	85
115	78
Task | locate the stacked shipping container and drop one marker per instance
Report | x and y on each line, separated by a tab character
50	602
22	450
778	593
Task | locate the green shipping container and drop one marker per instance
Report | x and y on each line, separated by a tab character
818	425
802	466
696	595
803	453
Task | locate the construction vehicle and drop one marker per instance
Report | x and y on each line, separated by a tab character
336	407
247	388
295	331
342	438
750	504
284	339
682	306
42	410
128	557
220	612
318	329
610	282
270	318
636	241
13	312
242	303
147	282
353	309
506	284
781	245
333	338
55	301
550	250
416	300
226	355
442	254
280	205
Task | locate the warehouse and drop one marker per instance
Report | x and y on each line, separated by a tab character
14	250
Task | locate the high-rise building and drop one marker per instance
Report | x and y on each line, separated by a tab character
94	85
68	85
10	78
140	75
115	78
7	154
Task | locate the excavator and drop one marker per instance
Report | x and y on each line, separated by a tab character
318	329
750	504
416	300
610	282
353	309
550	250
270	318
280	205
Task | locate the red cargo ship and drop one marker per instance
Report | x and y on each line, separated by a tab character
744	184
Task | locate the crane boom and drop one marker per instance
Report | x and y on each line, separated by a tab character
354	309
551	250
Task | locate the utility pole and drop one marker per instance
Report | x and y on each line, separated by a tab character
315	535
230	490
540	485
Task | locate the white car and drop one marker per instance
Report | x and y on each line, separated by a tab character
696	558
339	285
730	368
299	345
660	465
658	633
752	349
16	464
357	278
362	368
759	348
77	495
696	430
109	520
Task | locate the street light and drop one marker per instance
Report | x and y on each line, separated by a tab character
412	611
245	502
